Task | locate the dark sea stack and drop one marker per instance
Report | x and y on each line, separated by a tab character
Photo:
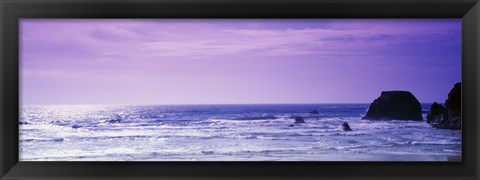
395	105
436	111
299	120
452	116
346	127
314	112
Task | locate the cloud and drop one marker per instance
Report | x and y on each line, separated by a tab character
111	59
145	40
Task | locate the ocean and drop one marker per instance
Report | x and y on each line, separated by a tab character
226	133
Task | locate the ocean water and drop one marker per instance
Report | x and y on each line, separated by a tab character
226	133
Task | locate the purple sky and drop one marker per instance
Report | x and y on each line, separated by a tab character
206	61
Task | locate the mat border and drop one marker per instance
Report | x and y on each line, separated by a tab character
13	10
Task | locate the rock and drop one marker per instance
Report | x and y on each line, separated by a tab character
299	119
346	127
314	112
114	121
452	116
22	123
58	139
291	125
208	152
76	126
436	111
395	105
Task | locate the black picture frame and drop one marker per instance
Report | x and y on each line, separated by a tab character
12	10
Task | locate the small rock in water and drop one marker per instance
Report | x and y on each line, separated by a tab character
58	139
114	121
117	119
76	126
22	123
208	152
314	112
346	127
291	125
299	120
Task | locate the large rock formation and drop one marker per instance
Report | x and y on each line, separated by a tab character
395	105
436	111
452	118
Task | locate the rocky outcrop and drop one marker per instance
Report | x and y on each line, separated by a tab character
452	116
314	112
299	119
346	127
395	105
436	111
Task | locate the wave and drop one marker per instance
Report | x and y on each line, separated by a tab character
347	148
435	143
115	137
393	142
43	140
350	133
264	117
231	132
239	151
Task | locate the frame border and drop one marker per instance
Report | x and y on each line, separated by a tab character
12	10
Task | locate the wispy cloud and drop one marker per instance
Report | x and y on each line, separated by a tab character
129	40
267	61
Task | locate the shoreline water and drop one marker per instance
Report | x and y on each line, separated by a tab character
227	133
